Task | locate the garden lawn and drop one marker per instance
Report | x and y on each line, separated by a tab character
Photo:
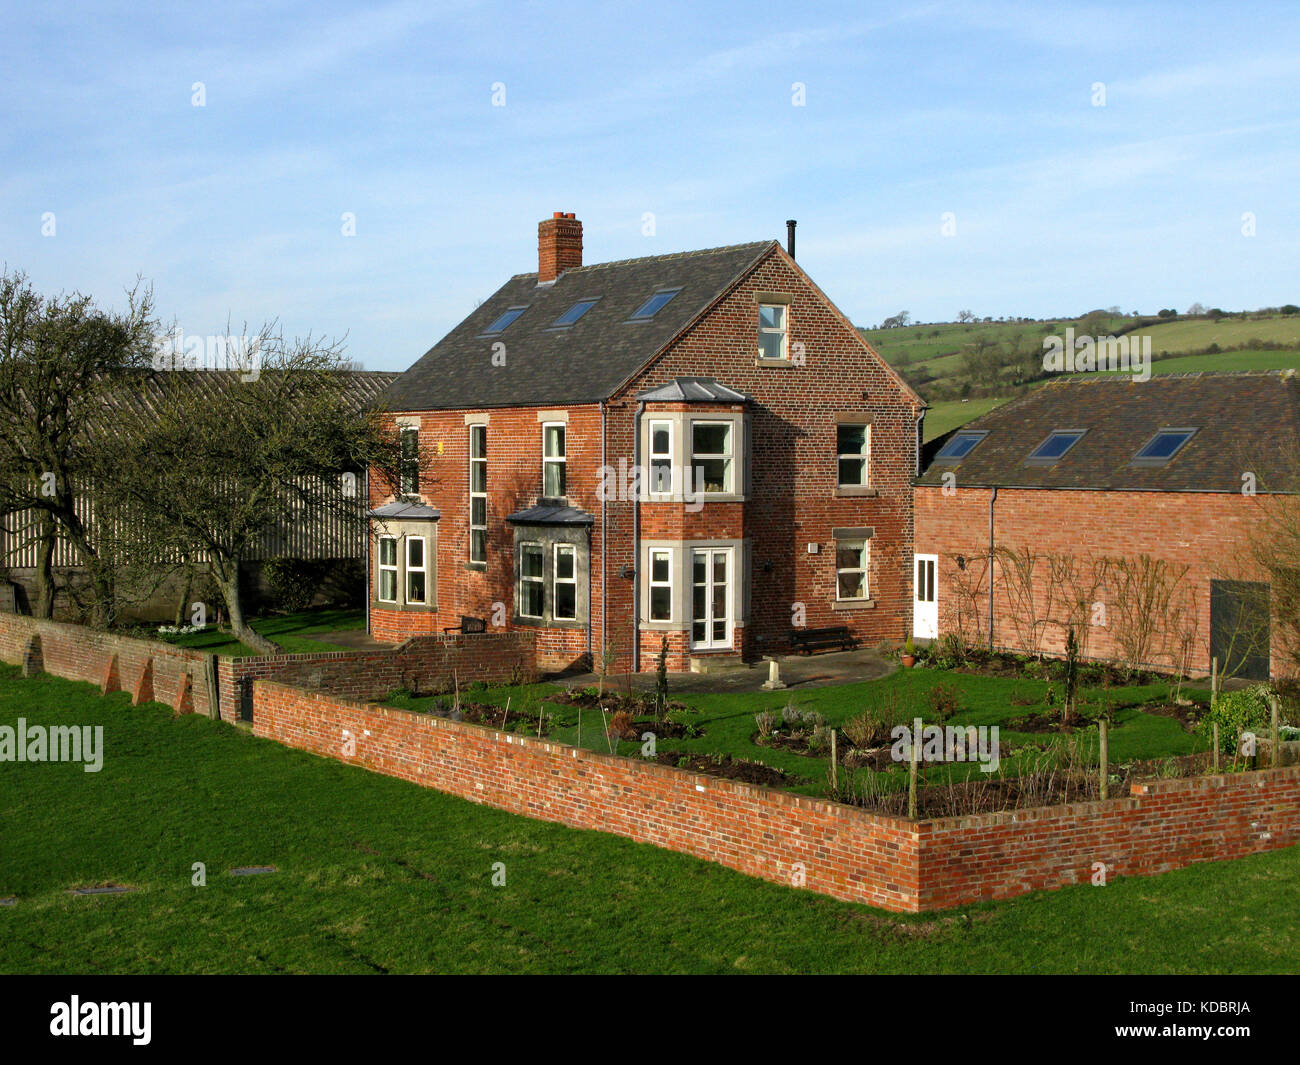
727	720
295	633
378	875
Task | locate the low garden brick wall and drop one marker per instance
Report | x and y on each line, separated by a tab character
192	681
148	669
844	852
424	663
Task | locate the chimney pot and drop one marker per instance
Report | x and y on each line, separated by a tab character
559	245
790	223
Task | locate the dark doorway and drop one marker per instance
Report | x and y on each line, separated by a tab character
1239	633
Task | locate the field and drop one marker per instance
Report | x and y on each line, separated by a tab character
931	357
377	875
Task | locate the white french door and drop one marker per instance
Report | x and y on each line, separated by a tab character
711	576
925	598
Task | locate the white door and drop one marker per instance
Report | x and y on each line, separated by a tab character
925	598
711	598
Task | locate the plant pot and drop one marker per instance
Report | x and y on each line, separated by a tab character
908	661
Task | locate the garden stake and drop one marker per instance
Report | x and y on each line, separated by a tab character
914	752
1215	727
606	726
505	713
835	777
1105	756
1214	681
1272	703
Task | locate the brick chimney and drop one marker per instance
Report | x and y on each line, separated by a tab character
559	245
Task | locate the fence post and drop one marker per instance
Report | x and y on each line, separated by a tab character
835	773
1105	757
915	753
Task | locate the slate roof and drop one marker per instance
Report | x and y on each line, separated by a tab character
692	390
1245	422
546	514
585	362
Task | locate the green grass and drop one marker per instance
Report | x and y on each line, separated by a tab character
1197	334
727	719
379	875
293	632
918	353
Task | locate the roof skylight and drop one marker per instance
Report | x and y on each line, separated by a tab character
1053	449
1162	447
653	305
502	322
574	313
960	444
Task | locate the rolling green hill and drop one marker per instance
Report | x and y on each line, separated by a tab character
964	370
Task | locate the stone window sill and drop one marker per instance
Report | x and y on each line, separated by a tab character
853	604
861	491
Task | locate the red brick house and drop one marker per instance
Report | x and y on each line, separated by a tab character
1097	501
698	447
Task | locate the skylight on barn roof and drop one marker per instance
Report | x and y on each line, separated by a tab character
503	322
1162	447
574	313
961	444
1053	449
653	305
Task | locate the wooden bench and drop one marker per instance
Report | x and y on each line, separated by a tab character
467	627
809	640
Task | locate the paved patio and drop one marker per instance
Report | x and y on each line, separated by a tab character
798	672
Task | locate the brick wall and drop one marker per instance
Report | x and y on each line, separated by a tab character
177	676
1205	532
1164	825
426	663
844	852
149	669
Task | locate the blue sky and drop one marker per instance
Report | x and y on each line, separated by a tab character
612	110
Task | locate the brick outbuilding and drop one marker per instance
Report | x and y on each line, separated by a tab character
1106	505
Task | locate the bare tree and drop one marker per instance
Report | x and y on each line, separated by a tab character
210	468
60	357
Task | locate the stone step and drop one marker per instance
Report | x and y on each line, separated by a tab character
719	663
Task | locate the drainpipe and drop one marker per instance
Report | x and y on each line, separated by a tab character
920	430
636	545
992	499
365	503
602	555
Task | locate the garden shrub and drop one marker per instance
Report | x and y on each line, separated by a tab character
873	726
1245	710
943	701
293	582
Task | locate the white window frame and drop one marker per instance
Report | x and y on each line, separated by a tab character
557	580
652	584
475	431
653	488
729	455
783	331
382	568
423	568
401	471
540	579
863	457
560	460
864	569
